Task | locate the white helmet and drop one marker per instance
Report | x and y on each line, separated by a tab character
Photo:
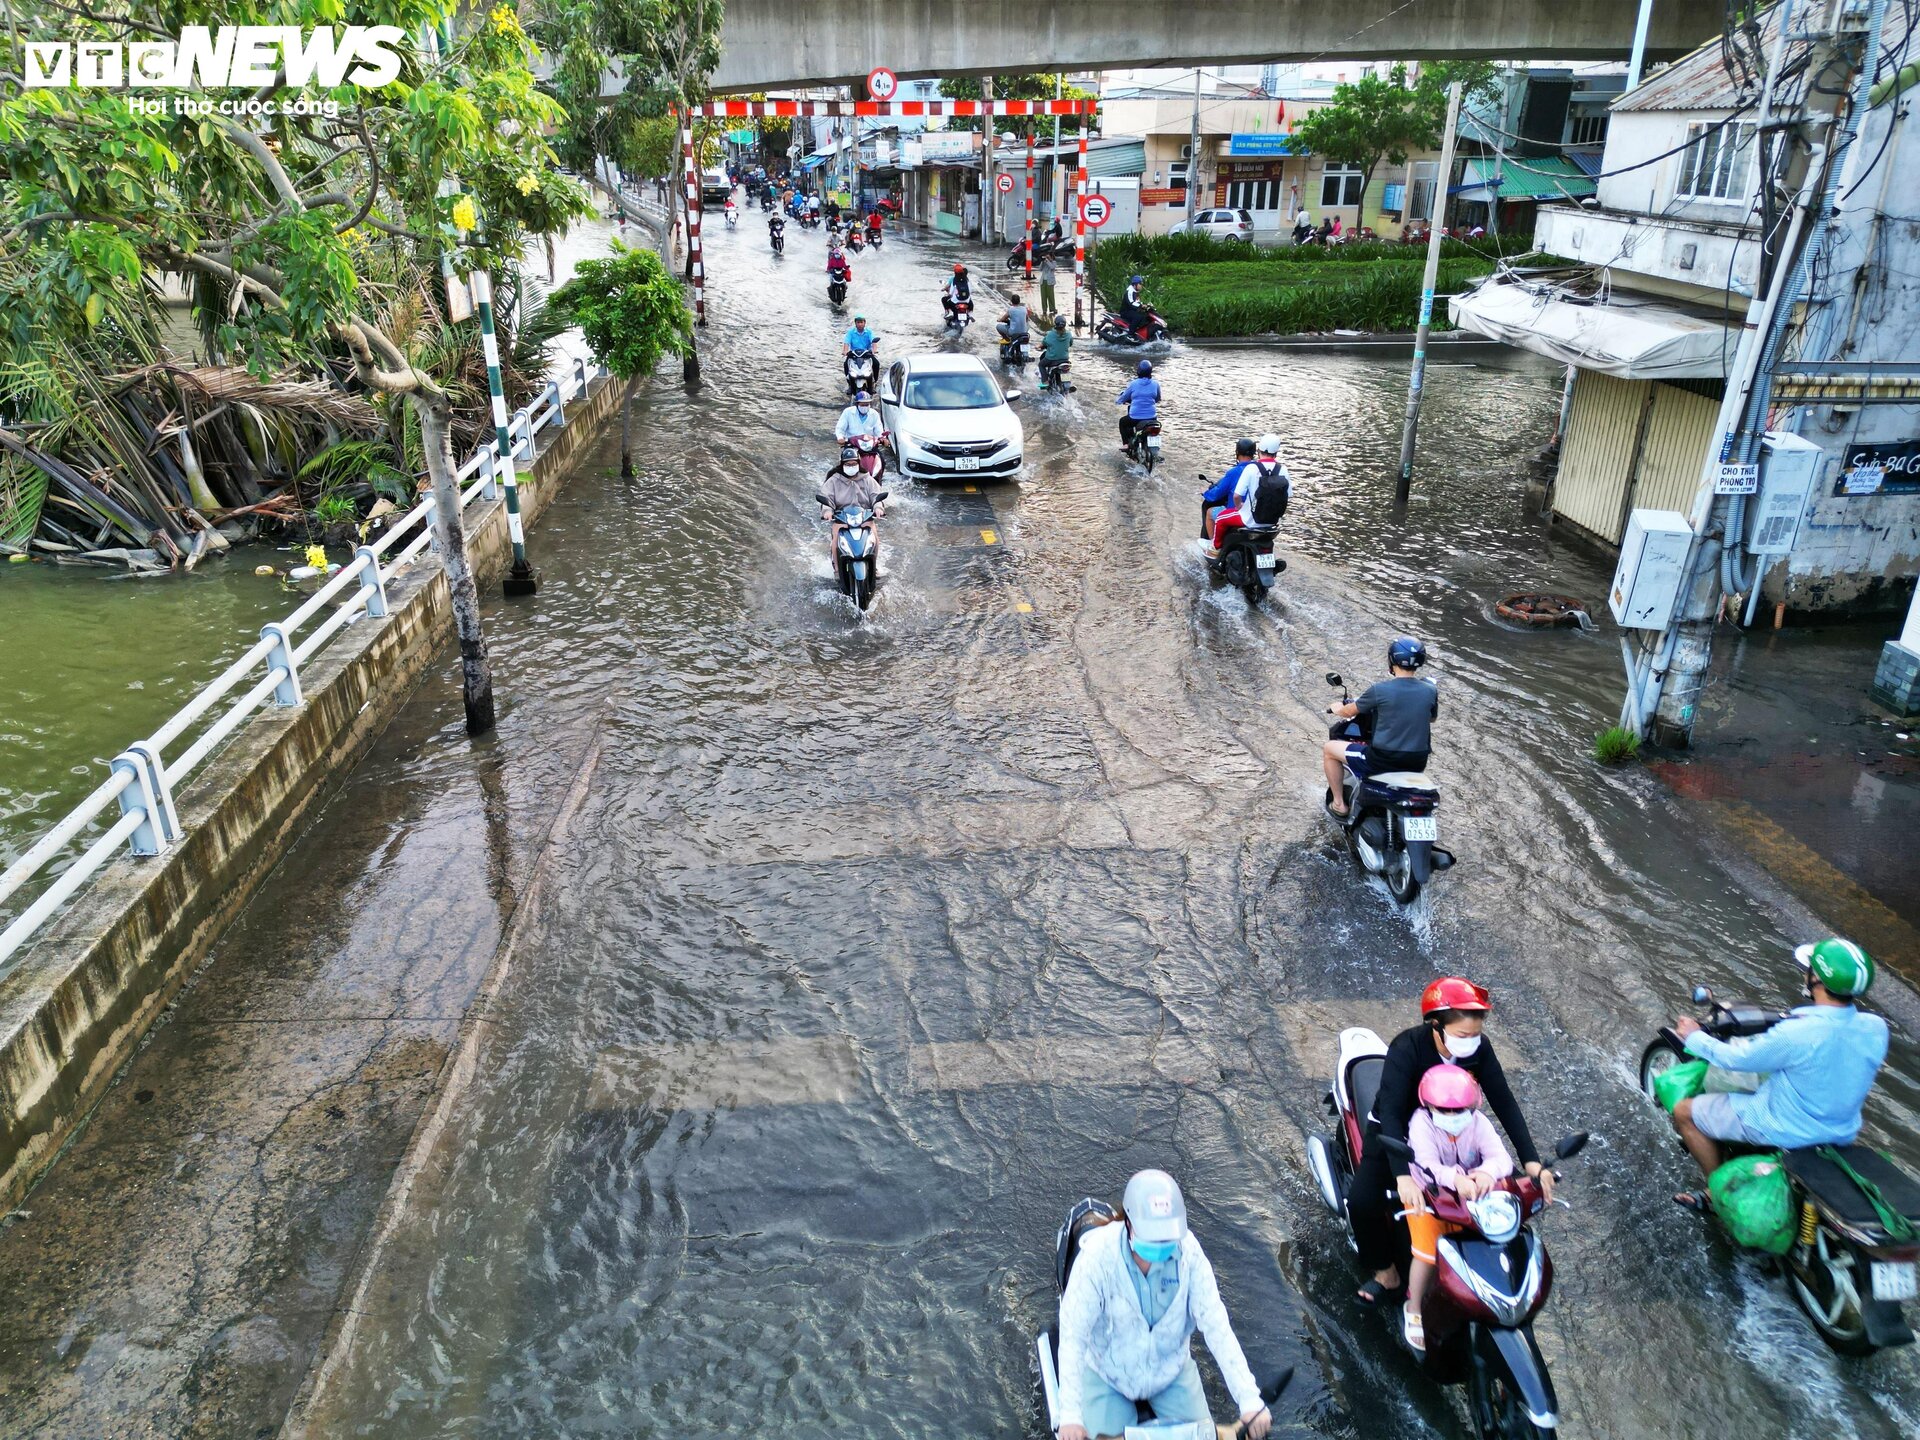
1156	1211
1269	444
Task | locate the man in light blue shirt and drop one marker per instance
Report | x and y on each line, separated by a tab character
1142	401
859	340
1819	1062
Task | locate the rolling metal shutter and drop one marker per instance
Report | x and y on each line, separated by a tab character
1597	452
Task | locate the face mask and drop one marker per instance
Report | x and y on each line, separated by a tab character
1155	1251
1461	1047
849	469
1452	1124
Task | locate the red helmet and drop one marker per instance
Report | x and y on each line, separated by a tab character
1450	992
1448	1087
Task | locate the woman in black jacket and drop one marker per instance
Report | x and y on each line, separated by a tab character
1453	1012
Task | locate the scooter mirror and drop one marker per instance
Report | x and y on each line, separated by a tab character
1571	1146
881	496
1702	995
821	498
1333	677
1399	1149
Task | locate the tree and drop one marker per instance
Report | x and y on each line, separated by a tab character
633	314
1018	87
272	216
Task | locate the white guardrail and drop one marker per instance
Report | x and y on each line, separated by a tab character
143	780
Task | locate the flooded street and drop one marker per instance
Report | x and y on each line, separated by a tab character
844	954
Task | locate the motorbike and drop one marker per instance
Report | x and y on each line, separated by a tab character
733	217
766	198
1390	824
1053	376
1085	1216
1014	351
1144	447
863	372
777	236
960	316
873	236
872	459
1846	1270
856	550
1115	331
1017	256
1493	1275
1247	560
856	239
837	288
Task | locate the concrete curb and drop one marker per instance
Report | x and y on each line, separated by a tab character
82	996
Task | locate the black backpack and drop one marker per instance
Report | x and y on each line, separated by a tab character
1271	494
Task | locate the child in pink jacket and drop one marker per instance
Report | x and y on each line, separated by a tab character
1458	1147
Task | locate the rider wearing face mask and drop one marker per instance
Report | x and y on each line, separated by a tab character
1453	1012
1459	1150
1138	1291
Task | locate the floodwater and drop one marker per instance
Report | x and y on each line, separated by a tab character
863	947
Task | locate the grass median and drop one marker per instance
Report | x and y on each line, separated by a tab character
1206	288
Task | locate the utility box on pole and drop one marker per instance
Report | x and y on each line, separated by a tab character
1788	467
1653	559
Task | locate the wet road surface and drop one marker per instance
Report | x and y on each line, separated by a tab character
828	960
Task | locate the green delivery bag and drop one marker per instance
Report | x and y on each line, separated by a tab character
1679	1082
1754	1200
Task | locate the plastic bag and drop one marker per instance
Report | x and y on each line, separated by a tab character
1754	1200
1679	1082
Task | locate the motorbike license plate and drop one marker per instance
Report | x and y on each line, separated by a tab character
966	462
1266	562
1153	442
1893	1280
1421	827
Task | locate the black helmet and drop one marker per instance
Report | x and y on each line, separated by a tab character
1059	322
1406	653
1243	448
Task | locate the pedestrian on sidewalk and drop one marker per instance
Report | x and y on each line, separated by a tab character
1047	277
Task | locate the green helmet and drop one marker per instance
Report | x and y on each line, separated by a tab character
1840	965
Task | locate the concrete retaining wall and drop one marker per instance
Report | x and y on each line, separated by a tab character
77	1003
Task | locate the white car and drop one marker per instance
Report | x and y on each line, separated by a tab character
949	419
1220	224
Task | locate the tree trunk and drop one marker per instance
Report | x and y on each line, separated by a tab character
436	436
626	431
550	271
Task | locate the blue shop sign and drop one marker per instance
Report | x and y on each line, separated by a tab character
1260	144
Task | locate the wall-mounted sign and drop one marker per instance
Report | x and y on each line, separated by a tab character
912	156
882	83
1264	143
1892	469
1174	196
1734	479
948	144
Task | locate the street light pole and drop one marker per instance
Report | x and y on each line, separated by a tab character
1404	487
1193	150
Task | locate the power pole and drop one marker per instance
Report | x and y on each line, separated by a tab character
1193	150
987	138
1811	153
1403	488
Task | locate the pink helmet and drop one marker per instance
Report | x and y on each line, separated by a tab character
1448	1087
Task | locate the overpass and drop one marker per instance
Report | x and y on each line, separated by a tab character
774	43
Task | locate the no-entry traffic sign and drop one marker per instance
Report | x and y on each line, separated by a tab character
1004	184
1096	210
882	83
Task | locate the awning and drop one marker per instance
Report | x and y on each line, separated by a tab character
813	161
1546	177
1632	338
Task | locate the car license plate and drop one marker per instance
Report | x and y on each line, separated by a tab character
1420	827
1893	1280
1266	562
966	462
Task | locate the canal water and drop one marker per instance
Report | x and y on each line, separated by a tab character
862	947
875	943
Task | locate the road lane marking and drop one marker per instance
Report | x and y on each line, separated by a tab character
987	537
1021	607
711	1075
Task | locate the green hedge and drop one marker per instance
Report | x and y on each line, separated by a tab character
1206	288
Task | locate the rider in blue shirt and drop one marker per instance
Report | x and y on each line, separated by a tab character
1142	399
860	339
1220	493
1820	1063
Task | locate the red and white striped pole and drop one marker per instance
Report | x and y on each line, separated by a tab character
1080	231
694	258
1029	207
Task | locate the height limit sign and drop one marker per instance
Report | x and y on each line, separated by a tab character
882	83
1096	210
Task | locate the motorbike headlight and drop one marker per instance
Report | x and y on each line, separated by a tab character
1498	1216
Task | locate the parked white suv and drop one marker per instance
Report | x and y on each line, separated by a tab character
1220	224
949	419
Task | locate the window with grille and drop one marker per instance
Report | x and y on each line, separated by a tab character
1717	163
1588	130
1177	175
1420	186
1340	185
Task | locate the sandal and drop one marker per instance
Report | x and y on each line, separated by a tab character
1416	1332
1697	1201
1378	1296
